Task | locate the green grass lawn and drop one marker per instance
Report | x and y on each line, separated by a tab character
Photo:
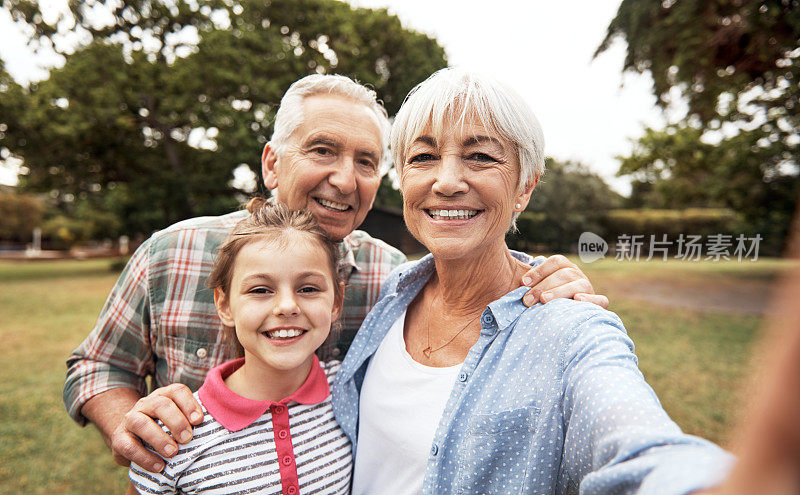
695	361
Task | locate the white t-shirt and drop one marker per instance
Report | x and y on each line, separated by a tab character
401	404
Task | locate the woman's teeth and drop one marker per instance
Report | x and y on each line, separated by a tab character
284	333
332	204
452	214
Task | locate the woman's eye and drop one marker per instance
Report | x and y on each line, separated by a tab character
481	157
421	157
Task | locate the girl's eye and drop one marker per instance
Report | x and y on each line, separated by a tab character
309	289
421	157
259	290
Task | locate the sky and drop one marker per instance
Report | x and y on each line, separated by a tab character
590	111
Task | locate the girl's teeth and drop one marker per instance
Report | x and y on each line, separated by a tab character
284	333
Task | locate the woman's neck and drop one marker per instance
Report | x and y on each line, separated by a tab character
256	380
467	284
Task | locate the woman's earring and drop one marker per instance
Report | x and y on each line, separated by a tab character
518	206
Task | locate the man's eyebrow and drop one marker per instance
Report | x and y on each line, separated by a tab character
322	141
473	140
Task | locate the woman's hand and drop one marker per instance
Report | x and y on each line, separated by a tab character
559	277
176	407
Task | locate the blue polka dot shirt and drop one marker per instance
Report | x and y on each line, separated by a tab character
549	400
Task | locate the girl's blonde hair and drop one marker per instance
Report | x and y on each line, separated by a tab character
271	222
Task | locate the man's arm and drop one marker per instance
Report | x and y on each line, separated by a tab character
106	411
558	277
119	411
106	373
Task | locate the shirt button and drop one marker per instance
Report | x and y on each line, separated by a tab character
282	434
202	353
487	319
292	490
287	460
462	377
434	449
278	409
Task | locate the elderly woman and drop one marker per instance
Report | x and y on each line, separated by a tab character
452	385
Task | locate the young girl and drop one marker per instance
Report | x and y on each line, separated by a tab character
268	425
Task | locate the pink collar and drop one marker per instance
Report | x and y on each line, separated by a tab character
235	412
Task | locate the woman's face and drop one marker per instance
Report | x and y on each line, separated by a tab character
460	189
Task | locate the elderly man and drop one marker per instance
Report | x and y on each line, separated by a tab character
325	155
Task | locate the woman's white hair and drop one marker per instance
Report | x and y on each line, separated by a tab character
455	94
290	113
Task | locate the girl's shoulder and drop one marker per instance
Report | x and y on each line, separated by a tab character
331	369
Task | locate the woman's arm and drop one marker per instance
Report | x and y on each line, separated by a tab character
617	435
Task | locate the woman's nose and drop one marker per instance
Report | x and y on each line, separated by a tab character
450	176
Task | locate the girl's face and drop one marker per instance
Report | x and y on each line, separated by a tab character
282	301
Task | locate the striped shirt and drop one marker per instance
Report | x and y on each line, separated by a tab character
160	319
293	446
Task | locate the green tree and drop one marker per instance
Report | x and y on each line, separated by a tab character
568	200
20	213
675	168
721	55
145	122
736	64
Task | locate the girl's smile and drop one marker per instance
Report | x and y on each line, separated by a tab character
282	303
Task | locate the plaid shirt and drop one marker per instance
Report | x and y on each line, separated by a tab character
160	319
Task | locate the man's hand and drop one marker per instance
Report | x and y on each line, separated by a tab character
176	407
124	419
559	277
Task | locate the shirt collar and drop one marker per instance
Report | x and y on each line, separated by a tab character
347	257
504	310
235	412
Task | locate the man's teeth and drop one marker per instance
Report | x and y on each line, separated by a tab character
452	214
284	333
332	204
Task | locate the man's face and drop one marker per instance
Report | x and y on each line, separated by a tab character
331	164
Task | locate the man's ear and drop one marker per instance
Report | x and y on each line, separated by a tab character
268	162
222	303
524	197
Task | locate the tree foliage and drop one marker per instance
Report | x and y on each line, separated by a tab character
568	200
675	168
19	215
714	52
737	66
150	117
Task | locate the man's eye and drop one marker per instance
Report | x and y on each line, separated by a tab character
421	158
322	151
368	164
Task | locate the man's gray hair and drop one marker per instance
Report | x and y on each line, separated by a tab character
290	113
457	93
